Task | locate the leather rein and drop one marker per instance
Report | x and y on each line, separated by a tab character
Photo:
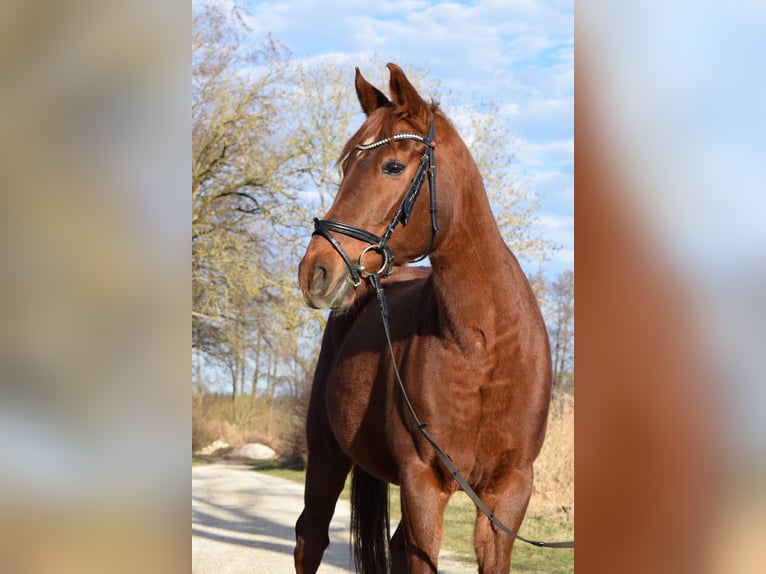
379	244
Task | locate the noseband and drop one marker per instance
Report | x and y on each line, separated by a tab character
379	244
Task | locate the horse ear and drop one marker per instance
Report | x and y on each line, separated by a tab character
404	93
370	97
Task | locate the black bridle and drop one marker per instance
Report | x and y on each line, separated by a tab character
379	244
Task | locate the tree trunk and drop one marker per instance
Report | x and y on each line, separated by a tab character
257	367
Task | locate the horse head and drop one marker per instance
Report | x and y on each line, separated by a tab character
387	165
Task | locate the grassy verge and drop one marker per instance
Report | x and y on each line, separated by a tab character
274	469
458	529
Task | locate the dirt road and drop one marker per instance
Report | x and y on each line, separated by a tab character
242	522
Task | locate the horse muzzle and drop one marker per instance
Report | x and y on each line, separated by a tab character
325	282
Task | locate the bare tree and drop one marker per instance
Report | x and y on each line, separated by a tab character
516	210
562	330
329	113
556	299
266	135
243	174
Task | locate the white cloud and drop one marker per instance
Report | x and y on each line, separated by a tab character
560	230
557	223
560	152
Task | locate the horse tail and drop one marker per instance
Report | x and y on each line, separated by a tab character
370	528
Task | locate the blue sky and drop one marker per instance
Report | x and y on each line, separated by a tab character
516	54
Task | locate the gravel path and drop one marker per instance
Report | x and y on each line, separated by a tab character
243	522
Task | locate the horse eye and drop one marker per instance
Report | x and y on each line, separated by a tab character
393	167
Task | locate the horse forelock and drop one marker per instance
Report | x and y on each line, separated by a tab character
381	124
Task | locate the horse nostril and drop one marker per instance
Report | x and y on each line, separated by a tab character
320	279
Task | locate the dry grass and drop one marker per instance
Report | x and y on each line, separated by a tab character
551	511
553	494
239	422
280	426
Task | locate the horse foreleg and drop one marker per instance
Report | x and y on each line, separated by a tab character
325	476
507	497
423	504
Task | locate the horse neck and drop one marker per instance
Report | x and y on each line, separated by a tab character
478	280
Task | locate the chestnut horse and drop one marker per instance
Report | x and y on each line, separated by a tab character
468	337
